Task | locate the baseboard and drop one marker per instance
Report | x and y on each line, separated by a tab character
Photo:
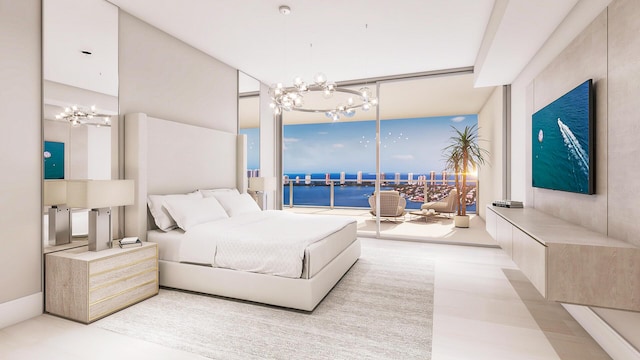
614	344
15	311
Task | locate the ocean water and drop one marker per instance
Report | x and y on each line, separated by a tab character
318	194
560	143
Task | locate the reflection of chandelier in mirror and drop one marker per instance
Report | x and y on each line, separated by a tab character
77	116
292	98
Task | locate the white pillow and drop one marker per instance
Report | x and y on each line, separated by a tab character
161	216
215	192
237	204
189	212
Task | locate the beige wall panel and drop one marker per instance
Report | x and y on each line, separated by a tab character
624	127
624	148
165	78
21	137
585	58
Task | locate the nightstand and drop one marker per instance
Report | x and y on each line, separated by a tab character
87	285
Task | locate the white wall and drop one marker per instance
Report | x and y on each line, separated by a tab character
584	58
581	15
165	78
603	45
491	134
21	161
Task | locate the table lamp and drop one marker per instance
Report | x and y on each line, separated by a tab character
55	195
99	196
262	185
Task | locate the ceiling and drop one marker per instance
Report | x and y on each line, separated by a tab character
358	39
433	96
67	31
346	40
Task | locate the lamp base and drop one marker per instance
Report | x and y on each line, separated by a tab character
100	229
59	225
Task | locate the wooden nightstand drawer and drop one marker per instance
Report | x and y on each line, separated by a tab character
121	285
120	261
118	273
122	300
85	286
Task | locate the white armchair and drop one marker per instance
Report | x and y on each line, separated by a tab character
392	205
447	205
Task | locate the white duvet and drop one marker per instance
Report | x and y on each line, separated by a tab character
269	242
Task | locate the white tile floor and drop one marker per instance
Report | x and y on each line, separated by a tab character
483	309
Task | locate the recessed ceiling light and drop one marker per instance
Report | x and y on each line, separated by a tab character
284	10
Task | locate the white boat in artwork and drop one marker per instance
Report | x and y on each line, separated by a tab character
540	135
574	146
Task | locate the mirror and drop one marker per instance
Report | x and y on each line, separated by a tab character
80	69
249	119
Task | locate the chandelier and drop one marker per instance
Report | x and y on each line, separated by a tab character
293	98
77	116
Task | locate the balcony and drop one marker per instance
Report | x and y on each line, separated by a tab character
350	198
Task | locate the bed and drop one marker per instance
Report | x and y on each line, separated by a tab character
170	158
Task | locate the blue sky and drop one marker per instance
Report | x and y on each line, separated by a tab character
408	145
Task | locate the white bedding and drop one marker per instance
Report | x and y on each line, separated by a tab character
269	242
168	243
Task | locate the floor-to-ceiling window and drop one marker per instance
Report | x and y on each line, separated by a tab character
326	162
333	163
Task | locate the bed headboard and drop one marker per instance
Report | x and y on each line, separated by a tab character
167	157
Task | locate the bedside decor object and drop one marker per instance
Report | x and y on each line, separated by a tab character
262	186
129	242
55	195
99	196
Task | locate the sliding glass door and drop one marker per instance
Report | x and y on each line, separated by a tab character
334	165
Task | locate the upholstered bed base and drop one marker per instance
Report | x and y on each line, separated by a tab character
165	157
301	294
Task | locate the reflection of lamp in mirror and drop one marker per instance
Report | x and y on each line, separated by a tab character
99	196
55	195
262	185
78	116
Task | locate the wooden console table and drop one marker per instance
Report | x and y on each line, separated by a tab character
566	262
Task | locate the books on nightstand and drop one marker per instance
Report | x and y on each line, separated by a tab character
508	203
129	242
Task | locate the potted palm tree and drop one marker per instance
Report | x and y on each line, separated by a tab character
462	155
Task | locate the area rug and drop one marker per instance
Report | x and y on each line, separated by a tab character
381	309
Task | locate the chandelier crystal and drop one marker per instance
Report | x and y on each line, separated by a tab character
77	116
292	98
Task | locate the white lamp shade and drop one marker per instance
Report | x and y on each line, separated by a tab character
95	194
55	192
262	183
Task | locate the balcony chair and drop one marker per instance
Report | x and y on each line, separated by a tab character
392	205
447	205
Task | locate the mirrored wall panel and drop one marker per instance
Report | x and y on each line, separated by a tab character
80	94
